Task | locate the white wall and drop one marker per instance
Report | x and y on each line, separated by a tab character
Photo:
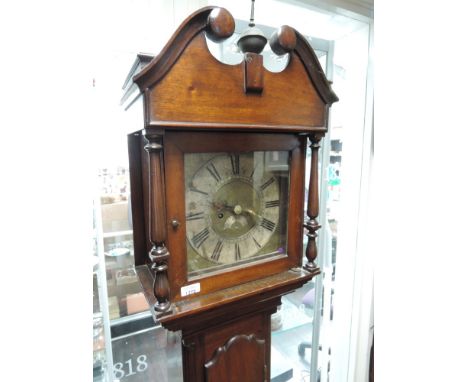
358	9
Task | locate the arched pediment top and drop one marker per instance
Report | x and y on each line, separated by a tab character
314	69
219	25
217	22
185	85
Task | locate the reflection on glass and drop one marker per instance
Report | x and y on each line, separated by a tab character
236	208
123	288
292	335
153	354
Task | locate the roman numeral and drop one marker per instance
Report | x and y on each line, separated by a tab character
238	255
217	250
267	183
272	203
235	164
267	224
251	175
197	190
256	243
200	237
195	216
212	170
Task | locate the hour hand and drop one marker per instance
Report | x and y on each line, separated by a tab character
222	206
251	212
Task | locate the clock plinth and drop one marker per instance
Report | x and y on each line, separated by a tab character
218	187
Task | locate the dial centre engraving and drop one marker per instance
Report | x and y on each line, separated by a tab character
232	203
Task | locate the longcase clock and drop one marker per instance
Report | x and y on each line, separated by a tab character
217	189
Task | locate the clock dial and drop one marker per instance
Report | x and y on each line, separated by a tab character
236	209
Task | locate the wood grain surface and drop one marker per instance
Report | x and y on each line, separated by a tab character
198	88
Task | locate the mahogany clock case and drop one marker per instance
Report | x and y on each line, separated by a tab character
193	103
176	144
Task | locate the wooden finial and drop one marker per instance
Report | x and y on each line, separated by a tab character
253	73
283	40
220	24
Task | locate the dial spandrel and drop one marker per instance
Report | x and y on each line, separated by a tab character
236	208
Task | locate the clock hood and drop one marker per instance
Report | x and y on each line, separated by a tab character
185	86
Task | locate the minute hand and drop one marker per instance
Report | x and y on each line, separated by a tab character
252	212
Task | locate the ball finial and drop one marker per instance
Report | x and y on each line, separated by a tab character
283	40
220	25
252	40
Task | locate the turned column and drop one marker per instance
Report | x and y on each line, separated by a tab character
158	254
311	223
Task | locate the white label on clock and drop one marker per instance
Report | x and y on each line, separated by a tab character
190	289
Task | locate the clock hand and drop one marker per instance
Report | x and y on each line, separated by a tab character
237	209
251	212
222	206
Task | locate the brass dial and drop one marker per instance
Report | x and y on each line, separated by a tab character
232	207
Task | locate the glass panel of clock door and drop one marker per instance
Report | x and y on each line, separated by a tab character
236	207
